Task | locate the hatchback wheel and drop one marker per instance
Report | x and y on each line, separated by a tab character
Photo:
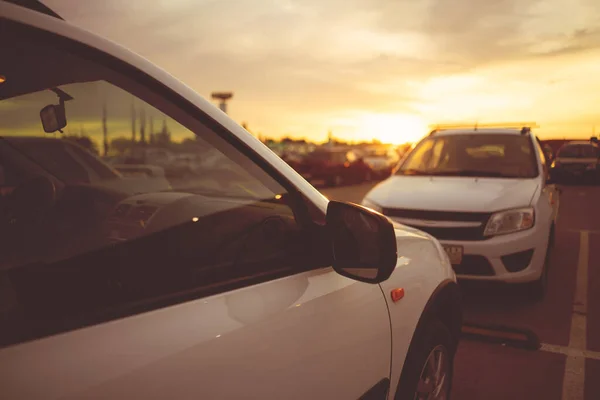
434	381
428	368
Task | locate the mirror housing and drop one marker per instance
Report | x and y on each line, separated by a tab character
363	242
53	118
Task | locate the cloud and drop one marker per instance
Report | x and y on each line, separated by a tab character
308	60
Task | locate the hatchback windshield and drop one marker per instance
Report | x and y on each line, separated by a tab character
479	155
579	151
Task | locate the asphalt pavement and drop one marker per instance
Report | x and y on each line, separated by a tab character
566	322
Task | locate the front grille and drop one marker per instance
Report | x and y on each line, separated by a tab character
443	233
466	234
474	265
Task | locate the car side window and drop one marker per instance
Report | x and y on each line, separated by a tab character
420	157
79	251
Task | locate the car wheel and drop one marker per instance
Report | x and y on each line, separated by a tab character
428	368
537	290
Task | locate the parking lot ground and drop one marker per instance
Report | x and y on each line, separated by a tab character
593	326
493	371
496	372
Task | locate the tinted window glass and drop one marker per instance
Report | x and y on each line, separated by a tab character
82	244
486	155
578	151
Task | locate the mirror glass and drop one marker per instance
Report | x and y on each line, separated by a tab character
53	118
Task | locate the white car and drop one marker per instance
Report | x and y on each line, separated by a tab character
248	285
485	194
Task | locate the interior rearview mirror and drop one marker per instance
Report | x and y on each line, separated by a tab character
363	242
53	118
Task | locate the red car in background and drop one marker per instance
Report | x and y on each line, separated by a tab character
334	167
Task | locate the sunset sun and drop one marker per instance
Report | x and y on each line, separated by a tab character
392	128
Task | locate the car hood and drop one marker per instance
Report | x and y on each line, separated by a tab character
135	185
453	193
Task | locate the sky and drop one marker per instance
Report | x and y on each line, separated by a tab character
364	69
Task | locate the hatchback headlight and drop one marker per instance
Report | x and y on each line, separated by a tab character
369	204
510	221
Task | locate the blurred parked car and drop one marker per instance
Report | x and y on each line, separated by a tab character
381	160
67	163
335	167
575	162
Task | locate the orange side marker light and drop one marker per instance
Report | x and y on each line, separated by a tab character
397	294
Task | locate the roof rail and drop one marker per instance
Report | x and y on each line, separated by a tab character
525	127
35	5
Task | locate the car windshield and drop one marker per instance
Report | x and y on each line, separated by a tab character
478	155
578	151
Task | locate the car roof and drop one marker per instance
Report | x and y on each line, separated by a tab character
59	27
482	131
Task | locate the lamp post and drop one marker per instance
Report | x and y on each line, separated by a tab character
223	97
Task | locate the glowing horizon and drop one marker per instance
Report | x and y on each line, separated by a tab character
371	69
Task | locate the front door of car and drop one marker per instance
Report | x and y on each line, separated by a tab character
218	288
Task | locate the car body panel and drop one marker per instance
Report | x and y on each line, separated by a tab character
422	266
316	327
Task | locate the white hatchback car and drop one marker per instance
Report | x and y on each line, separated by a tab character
242	282
485	194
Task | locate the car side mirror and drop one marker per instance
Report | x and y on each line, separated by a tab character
363	242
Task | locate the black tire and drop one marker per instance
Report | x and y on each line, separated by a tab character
433	336
537	290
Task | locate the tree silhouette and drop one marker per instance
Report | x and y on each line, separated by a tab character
120	144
